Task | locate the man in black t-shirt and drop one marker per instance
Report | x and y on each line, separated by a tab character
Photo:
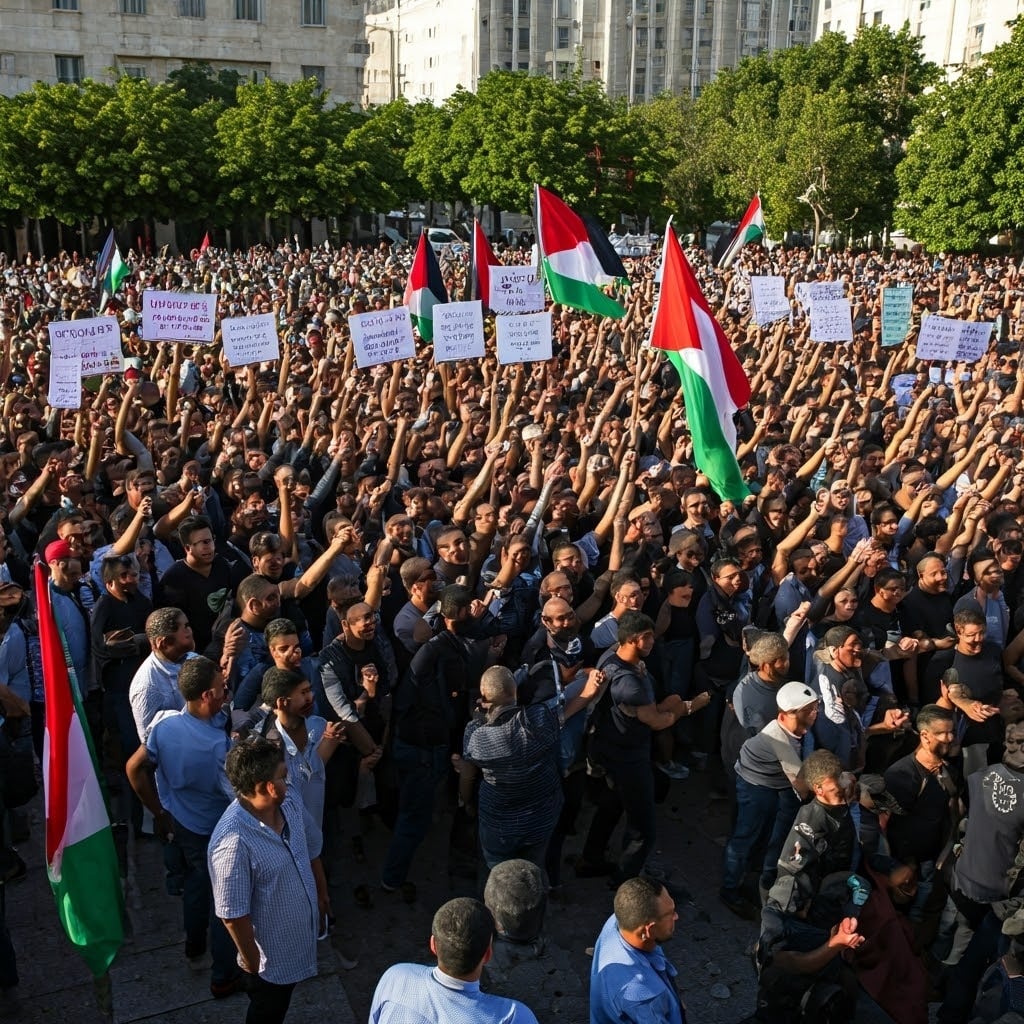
926	613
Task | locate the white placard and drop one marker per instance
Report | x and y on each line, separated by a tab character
516	290
250	339
524	339
831	320
768	298
943	339
458	331
819	290
65	391
383	336
188	317
98	341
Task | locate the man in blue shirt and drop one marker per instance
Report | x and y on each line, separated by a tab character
630	978
461	936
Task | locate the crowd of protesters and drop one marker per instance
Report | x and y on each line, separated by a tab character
510	588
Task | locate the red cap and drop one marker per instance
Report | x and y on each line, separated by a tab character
56	550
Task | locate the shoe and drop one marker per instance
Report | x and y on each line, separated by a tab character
584	869
738	904
674	770
223	989
407	889
199	964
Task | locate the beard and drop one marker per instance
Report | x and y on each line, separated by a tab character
564	635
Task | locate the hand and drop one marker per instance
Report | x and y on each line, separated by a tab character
896	719
978	712
369	678
700	702
235	639
146	508
163	826
844	935
335	731
593	683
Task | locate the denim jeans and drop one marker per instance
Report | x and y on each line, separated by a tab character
763	815
419	770
197	906
633	794
497	848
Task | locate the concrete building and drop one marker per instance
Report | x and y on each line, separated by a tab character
424	49
953	33
69	40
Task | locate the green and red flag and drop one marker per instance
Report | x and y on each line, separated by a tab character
751	229
81	861
425	288
714	384
572	263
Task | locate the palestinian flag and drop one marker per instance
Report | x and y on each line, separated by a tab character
571	262
116	272
425	288
481	260
81	861
714	384
751	229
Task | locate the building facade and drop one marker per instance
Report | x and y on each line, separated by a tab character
953	33
424	49
70	40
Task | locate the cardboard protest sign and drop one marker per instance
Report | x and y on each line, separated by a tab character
65	390
897	305
943	339
188	317
250	339
831	320
458	331
524	339
97	339
383	336
768	298
516	290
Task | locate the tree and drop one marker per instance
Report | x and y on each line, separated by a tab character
201	84
374	149
280	154
442	141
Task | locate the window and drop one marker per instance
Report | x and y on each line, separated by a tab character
247	10
134	71
659	38
357	47
827	27
192	8
563	9
7	64
876	18
314	12
641	37
65	5
70	70
315	71
524	8
133	6
563	37
508	39
524	37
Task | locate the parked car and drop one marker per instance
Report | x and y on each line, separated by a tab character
444	240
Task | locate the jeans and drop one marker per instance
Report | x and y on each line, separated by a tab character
419	770
633	794
573	786
197	906
762	815
268	1003
497	848
982	951
119	721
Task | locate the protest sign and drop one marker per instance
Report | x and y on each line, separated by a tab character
516	290
831	319
458	331
768	298
383	336
943	339
97	340
250	339
179	316
524	339
65	391
897	304
819	290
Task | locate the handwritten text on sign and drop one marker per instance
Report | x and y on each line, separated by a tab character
897	303
65	391
830	319
250	339
944	339
768	297
524	339
98	341
179	316
458	331
516	290
382	336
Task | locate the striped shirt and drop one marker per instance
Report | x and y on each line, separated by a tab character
259	874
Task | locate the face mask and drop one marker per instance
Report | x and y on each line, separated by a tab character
570	653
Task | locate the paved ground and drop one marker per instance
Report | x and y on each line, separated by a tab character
151	982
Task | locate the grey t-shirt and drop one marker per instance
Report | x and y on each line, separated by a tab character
772	758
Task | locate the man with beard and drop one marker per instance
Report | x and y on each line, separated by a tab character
452	556
925	614
431	708
400	536
423	586
119	646
627	596
154	688
923	785
797	588
241	640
